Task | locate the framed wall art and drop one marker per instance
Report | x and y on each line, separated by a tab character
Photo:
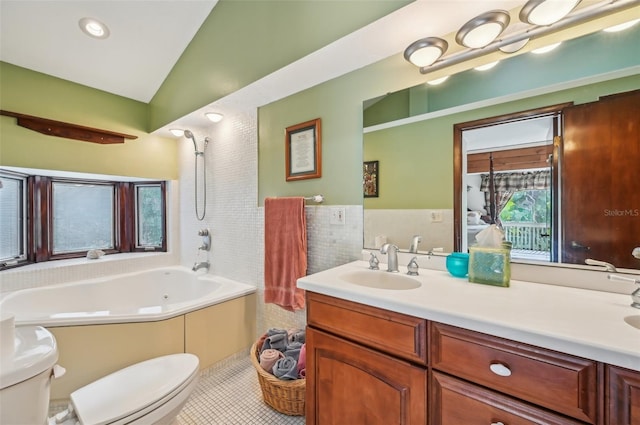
303	150
370	179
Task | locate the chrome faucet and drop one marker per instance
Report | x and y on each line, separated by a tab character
608	267
200	265
392	256
413	248
635	295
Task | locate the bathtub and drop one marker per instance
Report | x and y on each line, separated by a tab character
102	325
151	295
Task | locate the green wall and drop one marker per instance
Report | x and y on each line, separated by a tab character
33	93
243	41
339	104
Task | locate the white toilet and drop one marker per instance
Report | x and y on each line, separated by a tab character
151	392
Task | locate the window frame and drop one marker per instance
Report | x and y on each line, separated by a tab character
26	235
38	218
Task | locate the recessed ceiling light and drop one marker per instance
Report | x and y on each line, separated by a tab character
94	28
486	66
438	81
545	49
214	116
177	132
622	27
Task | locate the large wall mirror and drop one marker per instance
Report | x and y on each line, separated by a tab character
411	134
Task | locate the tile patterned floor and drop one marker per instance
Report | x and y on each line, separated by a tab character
229	394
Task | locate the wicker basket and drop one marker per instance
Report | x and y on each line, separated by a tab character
284	396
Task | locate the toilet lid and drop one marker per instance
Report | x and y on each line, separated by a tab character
132	389
35	351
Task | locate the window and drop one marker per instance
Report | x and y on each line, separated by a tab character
150	216
83	217
13	229
72	216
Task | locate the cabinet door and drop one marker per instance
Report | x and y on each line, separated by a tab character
623	396
456	402
350	384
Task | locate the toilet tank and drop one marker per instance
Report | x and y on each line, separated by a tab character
25	376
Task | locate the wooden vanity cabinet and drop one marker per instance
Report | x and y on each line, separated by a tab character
364	365
622	396
559	382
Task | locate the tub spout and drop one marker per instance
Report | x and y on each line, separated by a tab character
201	265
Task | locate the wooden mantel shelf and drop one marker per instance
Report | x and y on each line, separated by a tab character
67	130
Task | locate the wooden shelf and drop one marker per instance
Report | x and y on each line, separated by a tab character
67	130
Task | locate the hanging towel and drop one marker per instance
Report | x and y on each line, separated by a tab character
285	251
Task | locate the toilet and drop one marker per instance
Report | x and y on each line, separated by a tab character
150	392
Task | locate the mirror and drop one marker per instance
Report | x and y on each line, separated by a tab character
415	149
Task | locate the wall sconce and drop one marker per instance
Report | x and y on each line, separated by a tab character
214	116
483	29
546	12
425	51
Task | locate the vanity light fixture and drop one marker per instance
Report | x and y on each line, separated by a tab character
483	29
94	28
425	51
486	66
438	81
546	12
622	27
545	49
214	116
177	132
514	47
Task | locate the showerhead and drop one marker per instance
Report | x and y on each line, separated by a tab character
189	135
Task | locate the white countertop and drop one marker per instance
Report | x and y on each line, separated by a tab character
580	322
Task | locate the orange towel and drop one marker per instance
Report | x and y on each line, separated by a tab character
285	251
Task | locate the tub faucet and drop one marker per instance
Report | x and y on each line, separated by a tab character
413	248
392	256
200	265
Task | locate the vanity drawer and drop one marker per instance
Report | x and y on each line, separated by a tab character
386	331
560	382
455	402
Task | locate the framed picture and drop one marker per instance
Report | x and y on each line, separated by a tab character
303	148
370	179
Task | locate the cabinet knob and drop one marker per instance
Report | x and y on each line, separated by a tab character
500	369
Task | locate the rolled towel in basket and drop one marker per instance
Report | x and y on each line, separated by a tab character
275	331
293	350
268	358
297	335
286	369
276	342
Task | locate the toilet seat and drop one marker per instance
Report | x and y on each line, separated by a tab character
135	391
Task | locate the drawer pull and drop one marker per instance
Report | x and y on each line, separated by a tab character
500	369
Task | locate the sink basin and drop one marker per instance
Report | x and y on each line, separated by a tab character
633	321
380	279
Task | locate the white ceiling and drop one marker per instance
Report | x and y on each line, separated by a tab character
147	38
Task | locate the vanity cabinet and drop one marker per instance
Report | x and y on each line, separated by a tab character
561	383
364	365
623	396
367	365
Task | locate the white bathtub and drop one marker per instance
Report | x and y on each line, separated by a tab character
147	296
